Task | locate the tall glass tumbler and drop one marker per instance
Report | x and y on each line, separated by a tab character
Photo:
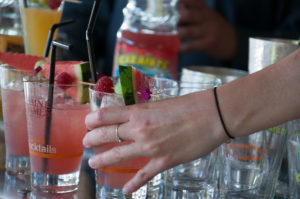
55	134
198	178
294	159
110	180
252	164
15	128
37	19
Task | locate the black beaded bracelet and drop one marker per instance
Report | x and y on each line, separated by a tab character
220	115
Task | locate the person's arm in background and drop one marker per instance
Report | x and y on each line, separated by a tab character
185	128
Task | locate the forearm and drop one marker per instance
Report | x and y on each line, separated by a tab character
263	99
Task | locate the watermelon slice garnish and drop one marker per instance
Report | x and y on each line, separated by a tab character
78	71
19	60
133	81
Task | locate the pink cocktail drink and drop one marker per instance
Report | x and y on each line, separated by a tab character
13	105
115	176
64	149
55	135
15	126
111	179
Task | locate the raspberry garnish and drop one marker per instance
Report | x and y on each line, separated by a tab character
105	84
62	79
54	4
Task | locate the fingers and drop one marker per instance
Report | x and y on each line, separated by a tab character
193	45
190	32
107	116
115	155
99	136
145	174
106	134
190	16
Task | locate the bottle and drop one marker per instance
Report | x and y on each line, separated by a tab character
148	37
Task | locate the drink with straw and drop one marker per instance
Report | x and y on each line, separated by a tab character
17	156
56	111
37	19
55	157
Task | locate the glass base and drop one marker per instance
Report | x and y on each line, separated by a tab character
17	166
240	195
207	192
155	187
115	193
62	183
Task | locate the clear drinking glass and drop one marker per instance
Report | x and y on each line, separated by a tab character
110	180
37	19
195	179
294	159
15	128
55	134
243	163
251	164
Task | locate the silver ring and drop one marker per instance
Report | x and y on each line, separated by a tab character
118	139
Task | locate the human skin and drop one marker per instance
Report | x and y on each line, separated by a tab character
185	128
200	28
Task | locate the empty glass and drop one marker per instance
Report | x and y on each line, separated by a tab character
294	159
251	164
198	178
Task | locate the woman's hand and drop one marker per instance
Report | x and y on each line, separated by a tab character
170	132
202	29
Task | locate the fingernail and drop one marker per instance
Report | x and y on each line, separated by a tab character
126	189
85	144
92	162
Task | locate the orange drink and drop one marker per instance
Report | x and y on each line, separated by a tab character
37	21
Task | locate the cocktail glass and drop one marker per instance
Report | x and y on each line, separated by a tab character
15	128
37	19
110	180
55	134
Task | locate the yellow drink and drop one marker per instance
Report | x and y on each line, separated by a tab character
36	24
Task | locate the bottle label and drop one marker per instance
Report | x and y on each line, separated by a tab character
149	61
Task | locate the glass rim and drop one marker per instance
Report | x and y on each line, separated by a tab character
45	82
11	68
163	91
103	92
40	6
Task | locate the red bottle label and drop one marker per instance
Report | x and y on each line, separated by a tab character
147	55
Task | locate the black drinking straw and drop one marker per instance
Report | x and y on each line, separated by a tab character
51	34
54	45
89	39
